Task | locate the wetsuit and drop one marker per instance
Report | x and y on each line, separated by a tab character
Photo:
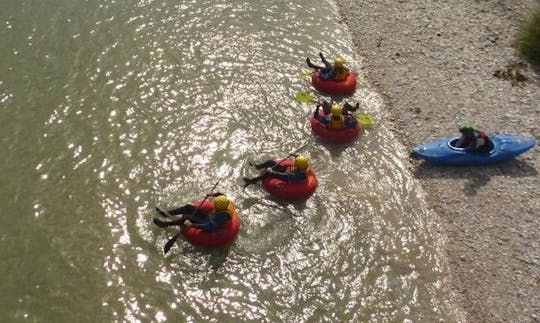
280	171
201	219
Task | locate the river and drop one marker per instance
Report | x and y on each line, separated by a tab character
109	108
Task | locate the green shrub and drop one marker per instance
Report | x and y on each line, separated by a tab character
529	39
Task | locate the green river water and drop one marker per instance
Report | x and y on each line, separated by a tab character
109	108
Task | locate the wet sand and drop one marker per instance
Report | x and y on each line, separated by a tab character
440	65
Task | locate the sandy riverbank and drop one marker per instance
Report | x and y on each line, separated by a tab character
435	62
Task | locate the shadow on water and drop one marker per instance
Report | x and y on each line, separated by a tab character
334	149
284	205
215	257
274	203
477	176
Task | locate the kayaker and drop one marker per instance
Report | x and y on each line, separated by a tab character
347	107
195	217
336	71
298	172
472	139
335	119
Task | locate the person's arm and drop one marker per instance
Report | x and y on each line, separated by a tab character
322	119
213	222
472	144
347	107
327	106
350	121
480	142
479	139
460	142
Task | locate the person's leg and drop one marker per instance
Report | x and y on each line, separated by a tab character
164	224
186	209
311	65
316	112
263	165
327	64
162	211
252	180
279	168
274	165
327	72
199	217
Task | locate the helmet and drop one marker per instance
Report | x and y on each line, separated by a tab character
336	110
221	202
301	162
338	62
466	130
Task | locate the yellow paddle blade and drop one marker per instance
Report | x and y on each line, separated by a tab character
304	97
364	120
305	74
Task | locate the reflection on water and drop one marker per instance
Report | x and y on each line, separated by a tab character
117	107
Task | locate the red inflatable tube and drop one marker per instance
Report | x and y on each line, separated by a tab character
343	87
335	135
219	237
290	191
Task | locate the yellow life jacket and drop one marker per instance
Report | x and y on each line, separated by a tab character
340	73
336	122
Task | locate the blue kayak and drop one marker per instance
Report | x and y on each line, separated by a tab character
505	147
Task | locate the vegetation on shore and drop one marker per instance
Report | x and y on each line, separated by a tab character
528	40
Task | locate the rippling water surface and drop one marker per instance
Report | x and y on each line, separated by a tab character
109	108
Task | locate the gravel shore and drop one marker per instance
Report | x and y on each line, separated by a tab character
441	64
